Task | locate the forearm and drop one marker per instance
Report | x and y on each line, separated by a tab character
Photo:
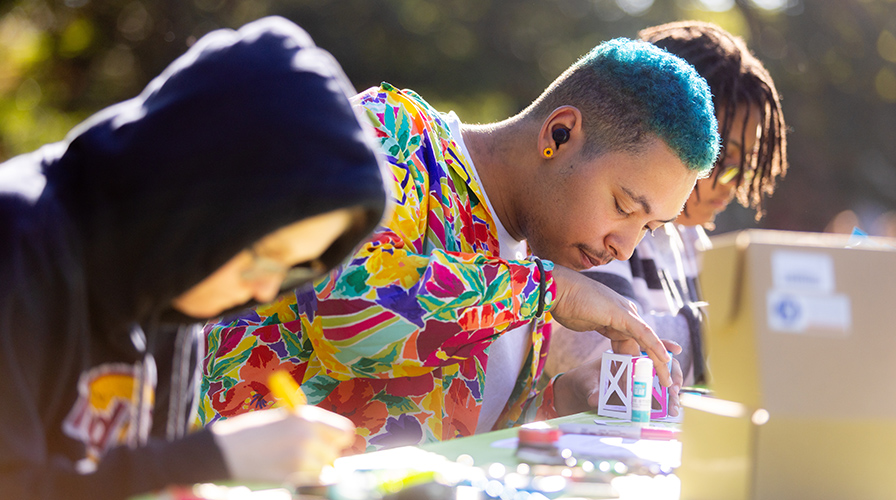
416	312
122	473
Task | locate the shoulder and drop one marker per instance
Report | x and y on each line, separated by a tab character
391	107
402	121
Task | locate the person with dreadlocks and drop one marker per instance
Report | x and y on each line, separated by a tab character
661	275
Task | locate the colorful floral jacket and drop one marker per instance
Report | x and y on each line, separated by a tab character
396	338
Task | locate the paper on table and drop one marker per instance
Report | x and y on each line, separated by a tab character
396	458
664	453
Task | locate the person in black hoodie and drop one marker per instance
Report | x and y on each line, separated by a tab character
239	173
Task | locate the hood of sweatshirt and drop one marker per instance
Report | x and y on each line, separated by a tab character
247	132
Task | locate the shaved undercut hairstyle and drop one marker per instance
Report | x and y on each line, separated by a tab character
629	91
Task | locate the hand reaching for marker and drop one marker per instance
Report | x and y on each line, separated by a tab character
578	389
583	304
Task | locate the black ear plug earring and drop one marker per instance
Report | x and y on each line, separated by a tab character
560	136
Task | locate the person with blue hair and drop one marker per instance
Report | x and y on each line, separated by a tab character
661	276
436	327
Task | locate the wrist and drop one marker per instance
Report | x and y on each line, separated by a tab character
561	279
547	288
562	395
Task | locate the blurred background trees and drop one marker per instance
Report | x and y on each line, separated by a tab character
834	62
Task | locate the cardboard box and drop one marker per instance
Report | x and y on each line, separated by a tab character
803	329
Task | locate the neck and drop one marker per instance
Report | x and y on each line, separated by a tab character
500	159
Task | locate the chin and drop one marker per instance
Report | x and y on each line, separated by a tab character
703	219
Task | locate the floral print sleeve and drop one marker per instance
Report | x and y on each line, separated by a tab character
395	338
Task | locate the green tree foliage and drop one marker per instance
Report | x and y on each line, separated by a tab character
834	63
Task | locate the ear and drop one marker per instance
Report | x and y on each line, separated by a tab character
568	117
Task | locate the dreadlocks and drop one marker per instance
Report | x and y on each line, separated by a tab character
736	77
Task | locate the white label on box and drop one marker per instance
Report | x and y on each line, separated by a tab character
802	271
798	312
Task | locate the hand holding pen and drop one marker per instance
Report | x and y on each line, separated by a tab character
292	443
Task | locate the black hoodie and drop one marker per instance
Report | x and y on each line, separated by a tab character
247	132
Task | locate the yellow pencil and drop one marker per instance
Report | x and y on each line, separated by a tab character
286	390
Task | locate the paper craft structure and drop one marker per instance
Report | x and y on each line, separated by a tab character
617	374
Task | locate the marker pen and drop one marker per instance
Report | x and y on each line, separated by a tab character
626	432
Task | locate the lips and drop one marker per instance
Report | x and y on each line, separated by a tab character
590	261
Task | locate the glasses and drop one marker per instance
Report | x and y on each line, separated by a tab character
729	172
264	268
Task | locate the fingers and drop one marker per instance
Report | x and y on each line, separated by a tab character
656	352
648	342
674	391
676	377
672	346
314	456
674	401
326	436
660	359
677	374
626	346
337	439
329	435
334	428
276	445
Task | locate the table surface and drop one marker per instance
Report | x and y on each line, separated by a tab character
479	446
630	487
480	449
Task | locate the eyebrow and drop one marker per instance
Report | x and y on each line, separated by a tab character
642	200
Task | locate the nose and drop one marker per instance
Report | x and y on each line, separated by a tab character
622	242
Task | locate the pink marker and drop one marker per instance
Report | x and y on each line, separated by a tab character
627	432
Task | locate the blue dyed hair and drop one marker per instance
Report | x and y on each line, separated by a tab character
628	90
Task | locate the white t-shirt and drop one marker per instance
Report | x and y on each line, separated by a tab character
506	354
